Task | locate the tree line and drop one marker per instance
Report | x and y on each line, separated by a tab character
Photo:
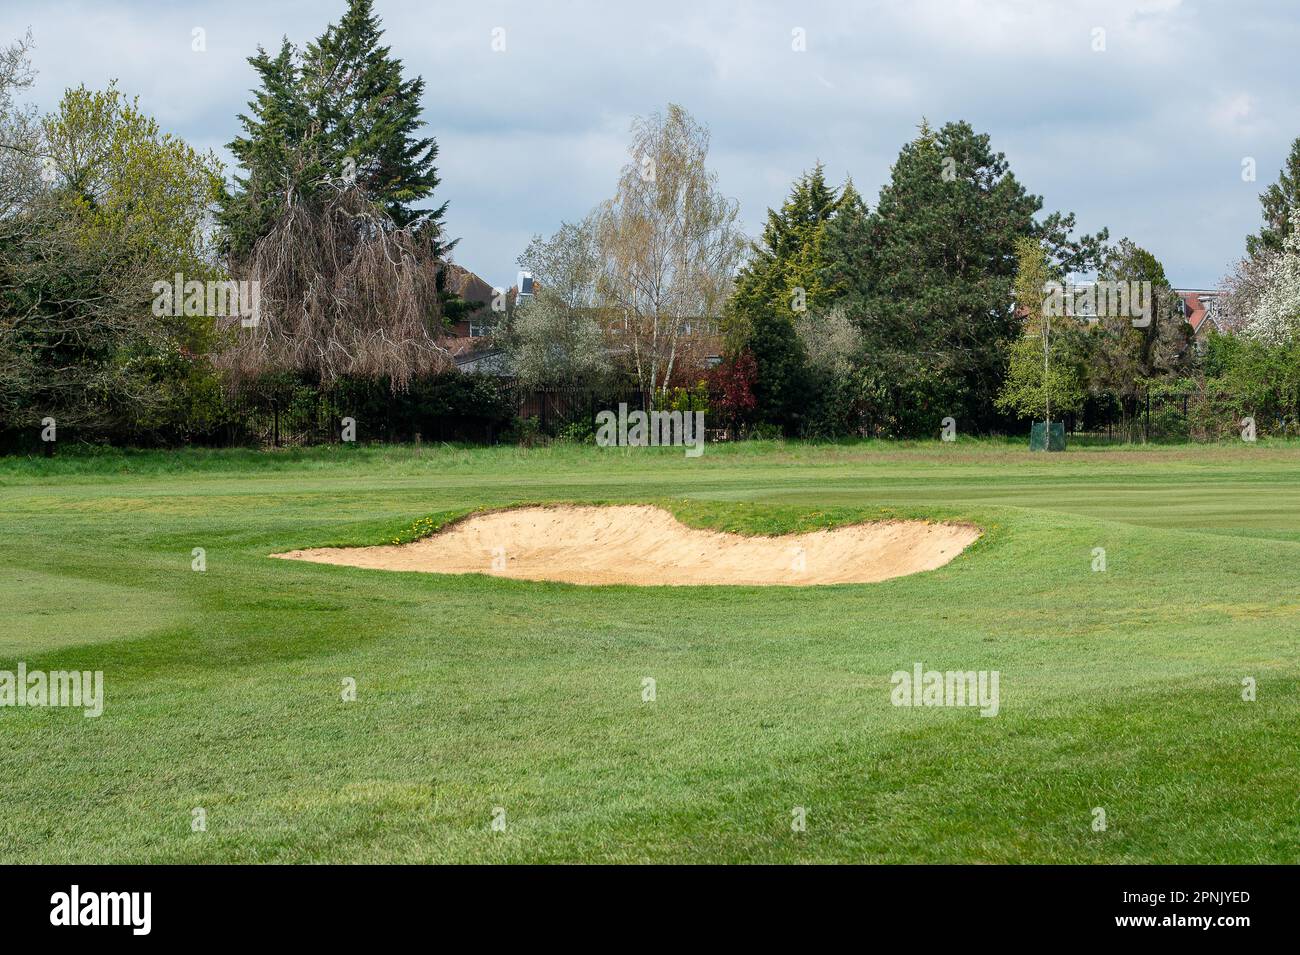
842	317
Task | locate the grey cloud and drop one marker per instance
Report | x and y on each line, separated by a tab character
1146	138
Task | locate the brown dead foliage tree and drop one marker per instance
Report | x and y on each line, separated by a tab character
341	292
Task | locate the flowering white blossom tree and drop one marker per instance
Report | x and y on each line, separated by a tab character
1275	315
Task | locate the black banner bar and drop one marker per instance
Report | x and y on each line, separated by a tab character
334	904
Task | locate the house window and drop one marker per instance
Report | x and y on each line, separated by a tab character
479	327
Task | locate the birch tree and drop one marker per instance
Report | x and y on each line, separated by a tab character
668	243
19	130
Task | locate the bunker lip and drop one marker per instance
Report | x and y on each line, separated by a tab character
643	545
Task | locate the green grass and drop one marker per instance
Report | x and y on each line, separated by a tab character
1119	690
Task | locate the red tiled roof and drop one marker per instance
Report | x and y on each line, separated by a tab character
468	285
1196	311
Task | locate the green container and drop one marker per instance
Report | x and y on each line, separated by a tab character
1040	440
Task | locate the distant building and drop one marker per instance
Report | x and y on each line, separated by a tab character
1199	311
474	291
1195	306
470	345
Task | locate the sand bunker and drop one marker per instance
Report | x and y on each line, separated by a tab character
638	544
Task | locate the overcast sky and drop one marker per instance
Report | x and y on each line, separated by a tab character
1147	136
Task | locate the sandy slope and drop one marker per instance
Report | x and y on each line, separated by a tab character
638	544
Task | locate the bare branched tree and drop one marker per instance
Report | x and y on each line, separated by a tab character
669	244
19	129
341	292
1241	289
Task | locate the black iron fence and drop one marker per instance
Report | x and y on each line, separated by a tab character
1169	415
557	408
477	409
282	417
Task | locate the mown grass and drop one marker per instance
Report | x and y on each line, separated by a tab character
1119	689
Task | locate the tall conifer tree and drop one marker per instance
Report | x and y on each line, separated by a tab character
938	269
1278	201
785	277
339	111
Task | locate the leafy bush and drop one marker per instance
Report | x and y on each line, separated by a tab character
527	432
581	430
684	399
